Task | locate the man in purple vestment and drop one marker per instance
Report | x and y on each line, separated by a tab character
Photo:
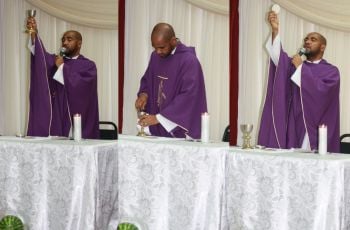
172	90
301	95
61	86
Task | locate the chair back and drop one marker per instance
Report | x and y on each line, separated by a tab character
344	146
108	134
226	136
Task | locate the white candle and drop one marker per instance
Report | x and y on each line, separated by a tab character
322	139
205	127
77	127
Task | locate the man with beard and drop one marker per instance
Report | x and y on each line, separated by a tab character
301	95
172	90
60	87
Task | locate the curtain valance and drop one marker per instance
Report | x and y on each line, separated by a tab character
334	14
216	6
94	13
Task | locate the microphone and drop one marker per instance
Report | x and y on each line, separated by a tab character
63	51
303	51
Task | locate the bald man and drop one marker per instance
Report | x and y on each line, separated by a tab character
61	86
301	95
172	90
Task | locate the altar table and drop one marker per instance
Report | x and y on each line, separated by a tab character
170	184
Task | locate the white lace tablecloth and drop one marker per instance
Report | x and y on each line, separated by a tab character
58	184
171	185
287	190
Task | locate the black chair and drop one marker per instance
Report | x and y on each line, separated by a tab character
108	134
226	136
344	146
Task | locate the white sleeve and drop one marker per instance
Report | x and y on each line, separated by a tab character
296	77
166	123
306	142
274	48
30	46
59	75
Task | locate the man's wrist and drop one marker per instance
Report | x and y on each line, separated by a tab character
143	95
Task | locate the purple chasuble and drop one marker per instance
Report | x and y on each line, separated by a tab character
290	111
175	88
52	105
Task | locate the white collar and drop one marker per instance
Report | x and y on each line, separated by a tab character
75	57
314	62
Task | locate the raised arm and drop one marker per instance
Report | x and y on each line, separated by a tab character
274	23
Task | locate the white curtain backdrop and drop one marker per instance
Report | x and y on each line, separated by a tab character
254	31
99	45
216	6
199	23
1	67
207	31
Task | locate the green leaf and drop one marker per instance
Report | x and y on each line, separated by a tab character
127	226
11	223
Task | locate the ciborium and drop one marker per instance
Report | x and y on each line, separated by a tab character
246	130
141	133
31	14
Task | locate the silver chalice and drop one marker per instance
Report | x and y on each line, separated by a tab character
141	133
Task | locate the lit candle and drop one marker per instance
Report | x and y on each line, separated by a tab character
77	127
205	127
322	139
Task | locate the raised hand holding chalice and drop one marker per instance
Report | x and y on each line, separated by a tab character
30	21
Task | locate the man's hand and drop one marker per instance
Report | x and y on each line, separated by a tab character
31	24
141	102
147	120
59	60
274	22
297	60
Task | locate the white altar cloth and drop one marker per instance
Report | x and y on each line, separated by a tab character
170	184
58	184
287	190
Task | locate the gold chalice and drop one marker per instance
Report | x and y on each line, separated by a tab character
246	130
31	14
